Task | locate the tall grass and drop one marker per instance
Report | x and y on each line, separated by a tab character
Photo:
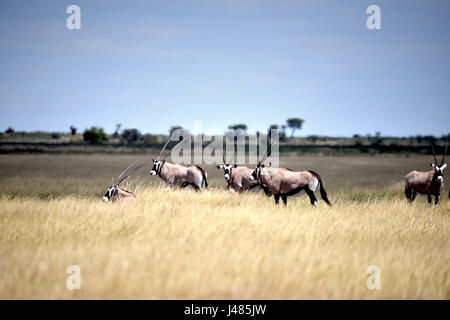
187	245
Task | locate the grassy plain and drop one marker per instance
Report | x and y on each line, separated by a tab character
214	245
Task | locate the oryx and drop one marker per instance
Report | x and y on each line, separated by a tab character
283	182
115	193
237	178
430	182
177	175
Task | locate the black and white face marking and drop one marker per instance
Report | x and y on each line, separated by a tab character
156	167
227	170
256	174
438	171
109	193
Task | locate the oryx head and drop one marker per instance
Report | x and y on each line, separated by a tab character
157	164
113	189
438	171
227	167
110	193
439	168
256	174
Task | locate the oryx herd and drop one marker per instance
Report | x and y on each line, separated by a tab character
276	182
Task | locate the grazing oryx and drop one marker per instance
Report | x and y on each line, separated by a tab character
430	182
115	193
238	178
283	182
177	175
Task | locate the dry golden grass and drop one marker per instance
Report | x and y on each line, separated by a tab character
214	245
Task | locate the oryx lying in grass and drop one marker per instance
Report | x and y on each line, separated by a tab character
238	178
115	193
283	182
430	182
176	175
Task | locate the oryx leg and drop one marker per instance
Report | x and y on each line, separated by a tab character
408	193
266	190
277	198
413	195
193	185
254	187
429	199
312	196
284	198
184	185
436	200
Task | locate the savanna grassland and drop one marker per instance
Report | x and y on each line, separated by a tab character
173	244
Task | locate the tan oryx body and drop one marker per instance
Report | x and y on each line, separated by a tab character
120	194
115	193
238	178
176	175
430	182
283	182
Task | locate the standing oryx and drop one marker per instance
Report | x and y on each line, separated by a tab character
115	193
283	182
430	182
177	175
238	178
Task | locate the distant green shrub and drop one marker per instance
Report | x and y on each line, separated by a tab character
130	136
95	135
9	130
151	139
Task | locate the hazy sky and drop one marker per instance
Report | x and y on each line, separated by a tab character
153	64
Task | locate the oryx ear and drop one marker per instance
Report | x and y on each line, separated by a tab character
444	166
235	166
263	165
219	166
433	165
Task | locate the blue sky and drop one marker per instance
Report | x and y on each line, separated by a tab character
153	64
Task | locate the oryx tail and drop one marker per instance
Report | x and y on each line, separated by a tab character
323	193
204	175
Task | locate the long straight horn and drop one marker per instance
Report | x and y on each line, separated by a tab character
434	155
268	152
445	152
129	174
167	153
124	171
165	145
232	158
223	157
